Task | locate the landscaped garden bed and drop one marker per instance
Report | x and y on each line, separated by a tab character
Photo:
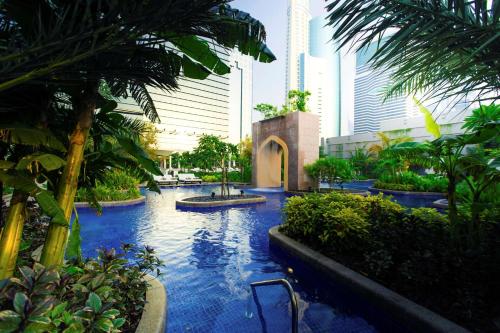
418	253
218	201
405	311
103	294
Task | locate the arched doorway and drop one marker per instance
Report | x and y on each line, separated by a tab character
291	141
272	158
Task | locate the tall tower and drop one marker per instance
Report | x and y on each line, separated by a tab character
297	41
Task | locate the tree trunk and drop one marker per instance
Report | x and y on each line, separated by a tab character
12	234
2	156
222	180
1	205
57	236
227	183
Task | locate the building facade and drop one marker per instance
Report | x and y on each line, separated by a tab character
345	146
315	64
370	108
218	105
297	41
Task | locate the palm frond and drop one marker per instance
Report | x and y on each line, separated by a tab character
444	48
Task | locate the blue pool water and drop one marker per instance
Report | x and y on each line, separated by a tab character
213	255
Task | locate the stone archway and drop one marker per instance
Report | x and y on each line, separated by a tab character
293	138
271	152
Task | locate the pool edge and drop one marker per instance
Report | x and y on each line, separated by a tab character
121	203
154	314
404	310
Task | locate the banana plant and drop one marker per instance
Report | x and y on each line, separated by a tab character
22	175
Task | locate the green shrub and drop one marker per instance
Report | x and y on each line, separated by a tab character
210	178
411	251
330	169
232	176
117	186
102	295
410	181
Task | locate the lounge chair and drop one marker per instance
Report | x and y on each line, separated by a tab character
166	180
189	178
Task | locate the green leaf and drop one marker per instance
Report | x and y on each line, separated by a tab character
75	328
49	162
20	300
131	147
37	327
199	50
430	124
94	302
6	165
74	248
111	313
50	207
39	319
104	324
194	70
118	322
18	181
9	321
58	309
21	134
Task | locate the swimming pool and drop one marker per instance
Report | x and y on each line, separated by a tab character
212	256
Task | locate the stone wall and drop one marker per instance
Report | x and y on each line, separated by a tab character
295	136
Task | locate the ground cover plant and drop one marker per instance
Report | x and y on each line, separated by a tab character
417	253
106	294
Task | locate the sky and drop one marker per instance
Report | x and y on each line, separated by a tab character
269	79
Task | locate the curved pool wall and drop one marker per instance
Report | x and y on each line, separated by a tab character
212	256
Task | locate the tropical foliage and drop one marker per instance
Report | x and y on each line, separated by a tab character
102	295
410	181
117	185
462	158
445	48
413	252
334	171
70	58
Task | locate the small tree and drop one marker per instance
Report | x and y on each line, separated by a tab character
219	154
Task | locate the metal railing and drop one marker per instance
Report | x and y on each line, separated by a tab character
293	299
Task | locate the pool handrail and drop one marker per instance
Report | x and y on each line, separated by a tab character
291	293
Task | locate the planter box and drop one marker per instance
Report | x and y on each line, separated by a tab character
417	317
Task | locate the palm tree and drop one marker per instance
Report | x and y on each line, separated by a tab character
157	42
445	48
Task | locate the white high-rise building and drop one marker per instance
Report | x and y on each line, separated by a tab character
314	64
297	40
218	105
